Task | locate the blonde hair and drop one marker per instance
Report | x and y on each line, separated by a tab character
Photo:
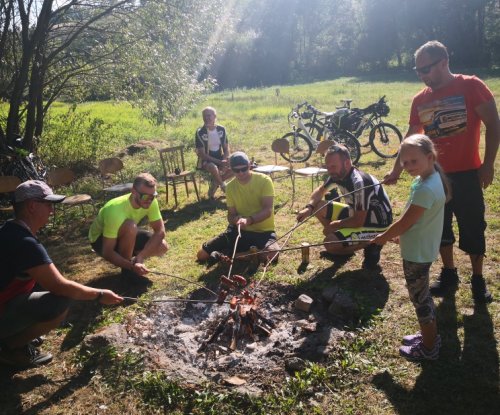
211	109
426	146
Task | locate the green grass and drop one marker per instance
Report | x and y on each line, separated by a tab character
363	375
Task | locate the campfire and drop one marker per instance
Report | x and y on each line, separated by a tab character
243	318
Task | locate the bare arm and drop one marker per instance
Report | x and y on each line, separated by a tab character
489	115
110	255
405	222
49	277
316	197
393	176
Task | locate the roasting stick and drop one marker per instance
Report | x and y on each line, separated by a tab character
234	251
271	260
182	279
296	248
175	300
297	224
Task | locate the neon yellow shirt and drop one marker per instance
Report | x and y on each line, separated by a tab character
115	212
247	199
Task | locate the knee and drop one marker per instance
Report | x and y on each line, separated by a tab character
163	248
128	228
202	255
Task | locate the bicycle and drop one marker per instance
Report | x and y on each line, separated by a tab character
305	137
384	138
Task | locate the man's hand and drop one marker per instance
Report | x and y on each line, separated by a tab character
109	297
392	177
304	213
486	174
139	268
331	228
244	222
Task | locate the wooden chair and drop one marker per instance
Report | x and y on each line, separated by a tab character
64	176
8	185
315	172
276	171
110	168
174	169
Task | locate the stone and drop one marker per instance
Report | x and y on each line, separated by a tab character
343	307
303	303
294	364
329	293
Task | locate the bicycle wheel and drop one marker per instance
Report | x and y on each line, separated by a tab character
314	131
347	139
385	139
364	135
300	148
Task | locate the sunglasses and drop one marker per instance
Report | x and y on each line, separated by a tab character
240	170
427	68
146	197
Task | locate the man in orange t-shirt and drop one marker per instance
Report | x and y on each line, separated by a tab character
450	111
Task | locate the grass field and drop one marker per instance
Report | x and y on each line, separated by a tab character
363	376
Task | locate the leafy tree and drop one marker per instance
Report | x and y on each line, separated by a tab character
150	51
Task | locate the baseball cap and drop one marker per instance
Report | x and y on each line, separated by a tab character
238	158
36	189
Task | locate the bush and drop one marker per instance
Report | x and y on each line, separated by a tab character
77	139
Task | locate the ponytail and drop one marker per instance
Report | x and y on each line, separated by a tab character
444	180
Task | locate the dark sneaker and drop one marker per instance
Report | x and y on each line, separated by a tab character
447	280
416	338
37	341
27	356
214	258
480	293
417	352
335	257
372	257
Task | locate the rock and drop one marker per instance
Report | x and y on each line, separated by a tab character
113	334
294	364
329	293
303	303
235	381
343	307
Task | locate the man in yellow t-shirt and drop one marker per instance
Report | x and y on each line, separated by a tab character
250	198
114	234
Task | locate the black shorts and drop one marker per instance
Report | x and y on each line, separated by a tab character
26	310
467	204
225	241
141	239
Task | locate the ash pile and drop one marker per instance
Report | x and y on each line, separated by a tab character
255	338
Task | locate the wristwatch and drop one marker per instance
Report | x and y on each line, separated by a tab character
310	205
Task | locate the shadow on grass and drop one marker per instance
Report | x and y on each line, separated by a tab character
462	381
84	314
191	212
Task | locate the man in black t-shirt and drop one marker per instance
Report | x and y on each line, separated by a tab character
365	213
26	314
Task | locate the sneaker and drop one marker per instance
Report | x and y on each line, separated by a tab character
417	352
27	356
416	338
480	293
447	280
372	257
37	341
214	258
